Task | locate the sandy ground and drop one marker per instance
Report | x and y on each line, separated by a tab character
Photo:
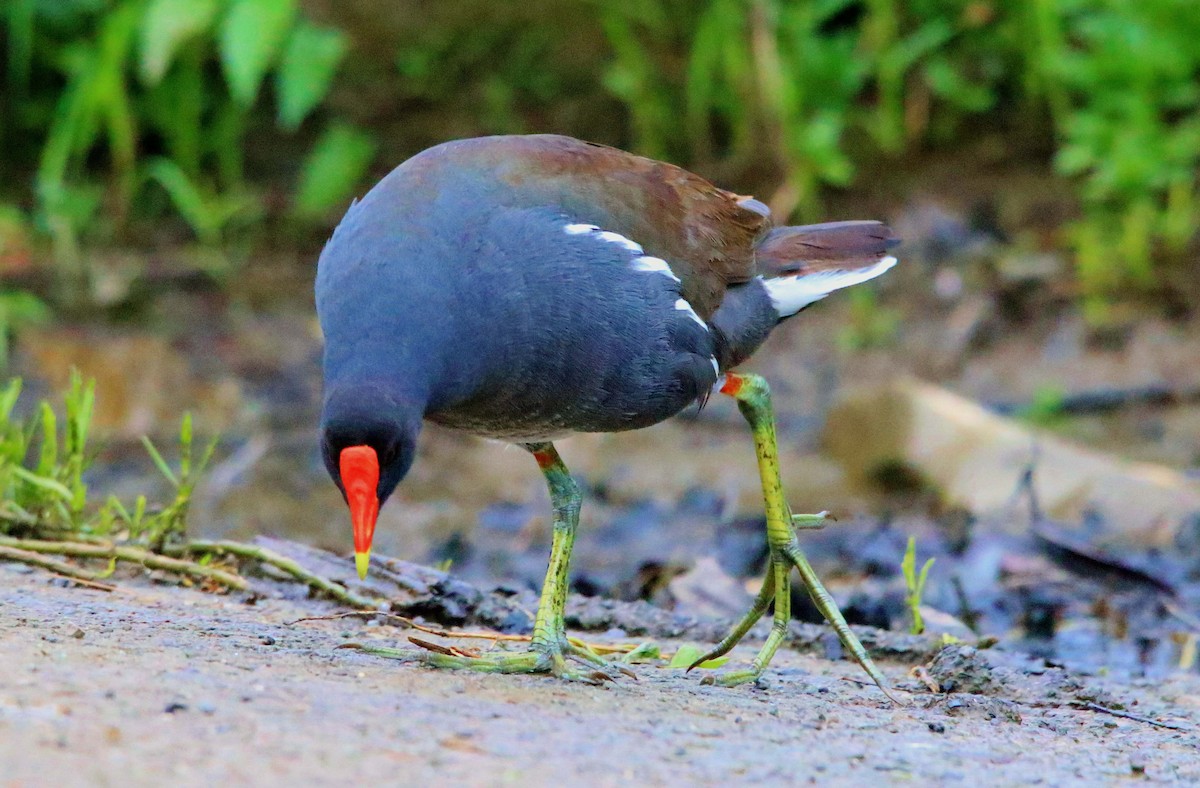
149	684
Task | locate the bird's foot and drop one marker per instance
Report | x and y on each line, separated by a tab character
784	557
562	657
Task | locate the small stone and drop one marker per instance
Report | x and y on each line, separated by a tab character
174	707
78	634
267	640
1137	765
937	727
206	707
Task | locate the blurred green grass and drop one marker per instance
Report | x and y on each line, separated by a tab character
137	122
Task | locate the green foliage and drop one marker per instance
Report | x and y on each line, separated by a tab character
822	86
116	102
1127	107
1046	408
310	60
332	169
206	212
18	310
165	26
43	494
251	38
47	491
915	583
116	95
871	324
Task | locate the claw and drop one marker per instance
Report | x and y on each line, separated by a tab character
812	522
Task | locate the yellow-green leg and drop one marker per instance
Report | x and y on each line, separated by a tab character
549	650
754	400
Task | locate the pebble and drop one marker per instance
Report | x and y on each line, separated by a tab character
174	707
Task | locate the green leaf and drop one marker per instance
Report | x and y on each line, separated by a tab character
49	455
333	168
309	62
250	39
644	652
159	462
687	654
50	485
207	214
165	26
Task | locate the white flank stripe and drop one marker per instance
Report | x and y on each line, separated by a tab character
655	265
684	306
790	294
603	235
620	240
716	368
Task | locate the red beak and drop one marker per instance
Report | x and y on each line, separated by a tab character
359	466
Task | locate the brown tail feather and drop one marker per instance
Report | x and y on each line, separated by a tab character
786	251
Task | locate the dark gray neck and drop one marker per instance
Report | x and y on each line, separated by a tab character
743	322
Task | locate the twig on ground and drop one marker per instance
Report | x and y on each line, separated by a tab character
108	587
1182	615
599	648
363	614
1126	715
451	651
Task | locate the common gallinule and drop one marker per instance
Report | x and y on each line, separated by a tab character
530	287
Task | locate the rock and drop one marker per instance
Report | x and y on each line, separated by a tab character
143	383
976	460
960	668
707	590
938	622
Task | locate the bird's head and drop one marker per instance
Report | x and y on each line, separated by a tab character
368	448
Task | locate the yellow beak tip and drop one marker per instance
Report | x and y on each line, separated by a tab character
362	562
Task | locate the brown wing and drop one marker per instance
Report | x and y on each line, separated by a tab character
706	234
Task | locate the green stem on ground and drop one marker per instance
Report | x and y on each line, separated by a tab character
283	563
136	555
31	558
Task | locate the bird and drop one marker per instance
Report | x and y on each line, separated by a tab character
529	287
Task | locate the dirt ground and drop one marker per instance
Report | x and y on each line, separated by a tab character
153	683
